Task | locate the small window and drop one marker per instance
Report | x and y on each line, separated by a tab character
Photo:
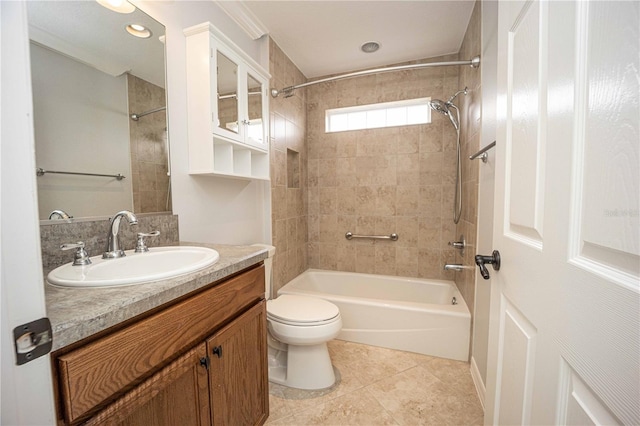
387	114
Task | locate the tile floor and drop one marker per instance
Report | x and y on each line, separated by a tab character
378	386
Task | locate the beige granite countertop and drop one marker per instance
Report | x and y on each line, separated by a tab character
77	313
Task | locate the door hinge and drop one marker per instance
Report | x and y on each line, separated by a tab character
204	361
32	340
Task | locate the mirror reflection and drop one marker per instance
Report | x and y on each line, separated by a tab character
100	117
227	93
254	89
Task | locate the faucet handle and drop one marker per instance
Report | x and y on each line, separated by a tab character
141	245
460	244
81	256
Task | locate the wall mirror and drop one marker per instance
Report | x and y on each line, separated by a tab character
100	118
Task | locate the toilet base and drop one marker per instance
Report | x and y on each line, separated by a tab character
301	367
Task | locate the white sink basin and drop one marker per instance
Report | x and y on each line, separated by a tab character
135	268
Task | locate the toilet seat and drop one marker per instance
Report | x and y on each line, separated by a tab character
302	311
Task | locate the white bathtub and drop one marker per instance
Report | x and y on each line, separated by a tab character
408	314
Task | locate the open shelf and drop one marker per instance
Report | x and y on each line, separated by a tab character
236	160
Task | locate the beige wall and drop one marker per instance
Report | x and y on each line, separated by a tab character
148	136
381	181
288	193
470	113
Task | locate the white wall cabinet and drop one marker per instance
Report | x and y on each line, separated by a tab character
227	107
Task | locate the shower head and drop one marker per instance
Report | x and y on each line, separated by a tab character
440	106
444	109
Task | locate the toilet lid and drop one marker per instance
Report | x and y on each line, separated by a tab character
301	310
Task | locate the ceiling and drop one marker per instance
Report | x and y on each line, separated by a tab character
96	36
324	37
320	37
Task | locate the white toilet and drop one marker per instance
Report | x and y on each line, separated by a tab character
299	328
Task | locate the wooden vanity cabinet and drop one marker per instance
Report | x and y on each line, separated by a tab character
201	361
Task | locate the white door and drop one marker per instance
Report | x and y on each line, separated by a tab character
26	391
565	309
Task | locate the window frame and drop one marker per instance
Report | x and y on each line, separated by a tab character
357	118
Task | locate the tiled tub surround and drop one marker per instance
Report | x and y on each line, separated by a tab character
148	145
379	181
288	184
77	313
93	232
470	117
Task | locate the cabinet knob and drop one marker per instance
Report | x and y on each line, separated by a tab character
204	361
217	351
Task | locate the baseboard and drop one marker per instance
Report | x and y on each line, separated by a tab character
477	380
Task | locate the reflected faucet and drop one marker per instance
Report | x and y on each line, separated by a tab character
59	214
113	250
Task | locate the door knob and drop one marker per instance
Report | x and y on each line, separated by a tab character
493	260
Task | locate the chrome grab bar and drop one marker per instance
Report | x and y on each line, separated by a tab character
40	172
393	237
482	154
136	117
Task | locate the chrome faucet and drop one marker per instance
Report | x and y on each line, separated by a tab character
453	267
59	214
113	250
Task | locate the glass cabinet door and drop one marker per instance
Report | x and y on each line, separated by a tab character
227	94
255	129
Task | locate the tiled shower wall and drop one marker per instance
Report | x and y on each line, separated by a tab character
288	170
470	142
380	181
148	144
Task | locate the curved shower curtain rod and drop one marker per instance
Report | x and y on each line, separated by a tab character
288	91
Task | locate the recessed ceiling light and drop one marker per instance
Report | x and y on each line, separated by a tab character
370	47
120	6
138	30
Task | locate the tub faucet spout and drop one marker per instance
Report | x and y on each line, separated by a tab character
113	250
453	267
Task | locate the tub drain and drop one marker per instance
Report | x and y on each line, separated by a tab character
454	301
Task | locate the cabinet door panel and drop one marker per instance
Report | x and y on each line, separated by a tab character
238	376
176	395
